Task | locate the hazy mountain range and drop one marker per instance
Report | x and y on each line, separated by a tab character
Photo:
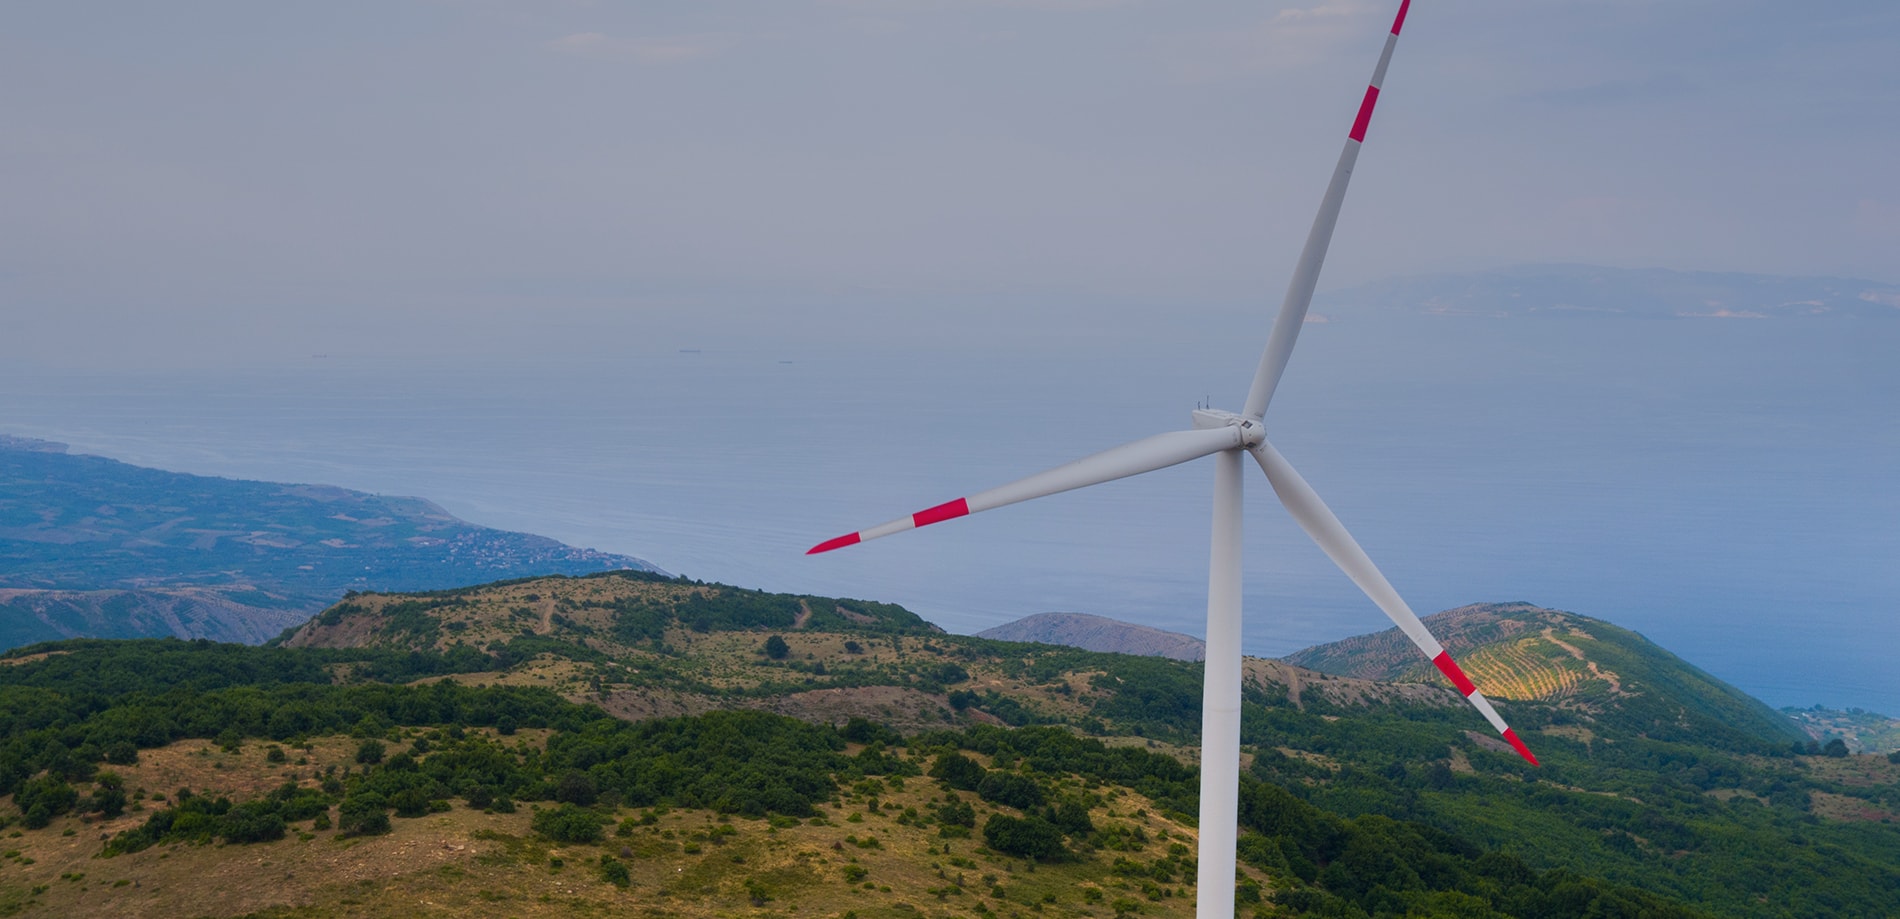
93	546
1099	633
1642	293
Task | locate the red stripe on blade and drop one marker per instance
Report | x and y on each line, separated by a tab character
1522	750
1365	114
848	539
1454	673
1399	23
949	510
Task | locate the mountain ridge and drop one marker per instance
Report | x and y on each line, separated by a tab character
90	546
1099	633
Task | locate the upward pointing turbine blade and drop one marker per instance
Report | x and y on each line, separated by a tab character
1319	523
1299	290
1145	455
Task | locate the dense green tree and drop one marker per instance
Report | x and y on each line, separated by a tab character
576	787
1024	837
365	814
43	798
1010	789
958	771
255	821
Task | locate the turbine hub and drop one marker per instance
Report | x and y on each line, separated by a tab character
1252	434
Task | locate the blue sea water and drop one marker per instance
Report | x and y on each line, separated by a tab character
1728	488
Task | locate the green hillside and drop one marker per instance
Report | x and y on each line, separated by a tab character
628	743
1595	670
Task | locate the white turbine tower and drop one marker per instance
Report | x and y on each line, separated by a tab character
1225	436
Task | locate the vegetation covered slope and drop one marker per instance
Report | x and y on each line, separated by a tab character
641	644
1362	798
1586	666
202	797
92	546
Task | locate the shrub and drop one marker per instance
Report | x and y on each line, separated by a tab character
253	821
410	802
776	648
370	752
109	797
1008	788
958	771
43	798
614	871
956	813
569	824
1028	837
365	814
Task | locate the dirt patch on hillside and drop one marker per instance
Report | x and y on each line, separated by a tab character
642	704
1829	806
1271	675
901	708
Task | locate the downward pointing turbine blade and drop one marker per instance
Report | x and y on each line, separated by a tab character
1299	290
1145	455
1318	521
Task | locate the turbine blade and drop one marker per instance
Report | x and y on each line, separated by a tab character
1299	291
1319	523
1145	455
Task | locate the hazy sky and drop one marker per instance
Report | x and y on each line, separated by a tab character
241	181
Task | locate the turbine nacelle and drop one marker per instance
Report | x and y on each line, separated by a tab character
1250	431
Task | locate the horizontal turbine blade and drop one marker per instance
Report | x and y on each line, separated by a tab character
1145	455
1299	290
1318	521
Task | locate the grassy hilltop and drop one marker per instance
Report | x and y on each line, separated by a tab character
1576	663
628	743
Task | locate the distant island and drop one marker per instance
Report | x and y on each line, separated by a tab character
91	546
1558	290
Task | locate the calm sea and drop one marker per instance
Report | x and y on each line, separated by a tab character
1728	488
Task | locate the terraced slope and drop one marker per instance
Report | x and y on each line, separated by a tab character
1588	666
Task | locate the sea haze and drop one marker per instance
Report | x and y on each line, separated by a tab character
1726	486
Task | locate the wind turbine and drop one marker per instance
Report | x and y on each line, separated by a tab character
1225	436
